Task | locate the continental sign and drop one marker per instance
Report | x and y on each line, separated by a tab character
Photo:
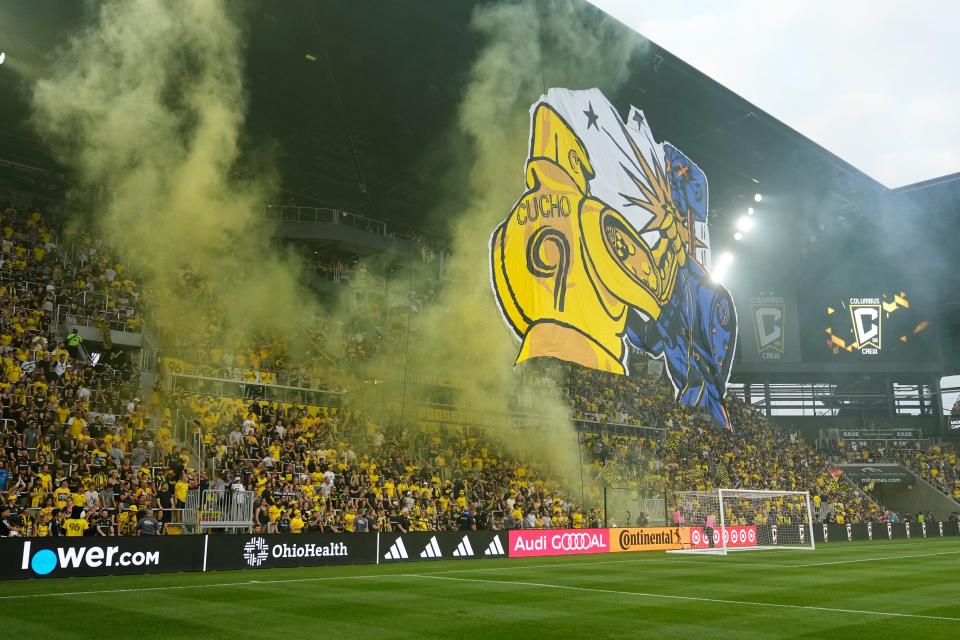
649	539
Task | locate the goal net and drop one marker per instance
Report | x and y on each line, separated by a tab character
724	520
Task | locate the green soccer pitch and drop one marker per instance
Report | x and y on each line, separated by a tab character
882	589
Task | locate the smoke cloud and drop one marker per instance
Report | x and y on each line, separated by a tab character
529	47
147	108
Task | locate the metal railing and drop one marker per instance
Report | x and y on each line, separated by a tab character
324	215
116	320
345	275
211	509
202	385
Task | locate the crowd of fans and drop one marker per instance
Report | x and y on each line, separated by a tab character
937	465
84	455
70	430
328	469
696	455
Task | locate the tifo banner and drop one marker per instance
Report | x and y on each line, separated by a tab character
745	536
442	545
67	557
290	550
609	243
558	542
649	539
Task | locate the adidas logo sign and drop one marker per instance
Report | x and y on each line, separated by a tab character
397	551
433	549
495	548
464	549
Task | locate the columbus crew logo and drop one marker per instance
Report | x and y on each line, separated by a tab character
256	551
865	316
768	321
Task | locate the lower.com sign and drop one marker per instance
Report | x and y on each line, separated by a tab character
83	559
65	557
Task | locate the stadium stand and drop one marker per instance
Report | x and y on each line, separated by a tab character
937	465
80	444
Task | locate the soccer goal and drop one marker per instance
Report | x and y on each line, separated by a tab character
724	520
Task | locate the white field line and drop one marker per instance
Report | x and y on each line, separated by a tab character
918	555
241	583
746	603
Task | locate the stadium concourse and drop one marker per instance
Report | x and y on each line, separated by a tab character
84	455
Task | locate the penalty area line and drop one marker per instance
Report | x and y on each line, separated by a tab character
664	596
918	555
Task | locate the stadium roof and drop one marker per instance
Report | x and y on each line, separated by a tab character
355	101
828	69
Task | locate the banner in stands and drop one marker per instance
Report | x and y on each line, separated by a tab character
442	545
880	473
609	245
289	550
66	557
880	434
558	542
649	538
252	376
739	536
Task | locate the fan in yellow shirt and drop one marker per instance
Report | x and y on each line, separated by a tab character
75	526
348	519
180	490
296	523
61	495
578	518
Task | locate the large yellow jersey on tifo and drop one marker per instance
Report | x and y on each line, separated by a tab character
566	266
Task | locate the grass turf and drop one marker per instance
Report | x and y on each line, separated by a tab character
882	589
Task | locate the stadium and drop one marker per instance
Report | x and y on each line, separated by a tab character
469	318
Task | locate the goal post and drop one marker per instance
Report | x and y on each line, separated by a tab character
724	520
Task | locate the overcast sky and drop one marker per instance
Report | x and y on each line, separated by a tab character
876	83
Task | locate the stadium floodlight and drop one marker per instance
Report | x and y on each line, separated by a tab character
745	223
719	271
724	520
738	236
757	197
749	211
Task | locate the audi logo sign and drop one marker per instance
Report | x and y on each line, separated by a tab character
558	542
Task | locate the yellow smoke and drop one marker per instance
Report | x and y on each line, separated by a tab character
146	108
462	340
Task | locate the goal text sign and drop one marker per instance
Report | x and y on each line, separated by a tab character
743	536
